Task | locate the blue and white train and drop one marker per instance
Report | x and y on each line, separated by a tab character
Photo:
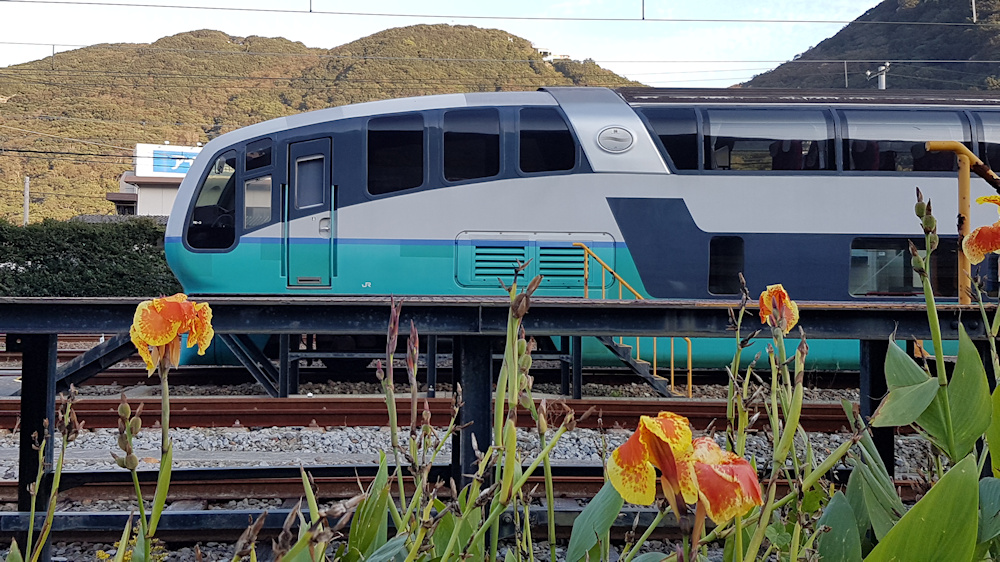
677	190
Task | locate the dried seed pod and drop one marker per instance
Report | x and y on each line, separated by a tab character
123	443
135	425
124	410
131	461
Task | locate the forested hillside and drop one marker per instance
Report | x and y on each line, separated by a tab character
70	121
907	30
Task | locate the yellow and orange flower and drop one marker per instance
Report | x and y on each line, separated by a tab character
776	308
727	483
663	443
159	324
984	239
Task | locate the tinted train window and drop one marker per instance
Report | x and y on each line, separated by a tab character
768	139
880	267
893	141
677	131
545	141
471	144
257	198
213	222
395	153
258	154
309	187
989	148
725	263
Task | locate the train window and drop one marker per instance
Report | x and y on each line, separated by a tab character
725	263
677	131
769	139
471	144
213	224
257	197
893	141
258	154
310	190
395	153
546	144
989	148
880	267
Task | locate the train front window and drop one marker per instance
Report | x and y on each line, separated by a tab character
213	222
546	144
258	154
989	148
677	131
769	139
395	153
893	141
471	144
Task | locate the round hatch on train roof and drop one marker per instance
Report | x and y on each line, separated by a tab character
615	139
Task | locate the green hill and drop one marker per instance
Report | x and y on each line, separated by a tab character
71	121
914	32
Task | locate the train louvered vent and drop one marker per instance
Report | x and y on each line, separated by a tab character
498	261
561	263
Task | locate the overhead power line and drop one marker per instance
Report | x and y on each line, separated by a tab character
642	19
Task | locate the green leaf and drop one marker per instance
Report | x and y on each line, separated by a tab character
15	553
650	557
856	497
162	485
396	546
989	510
941	526
880	514
900	369
369	529
905	404
841	543
729	550
594	521
968	397
123	542
778	535
812	499
993	433
444	530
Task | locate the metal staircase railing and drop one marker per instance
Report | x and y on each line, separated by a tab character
622	285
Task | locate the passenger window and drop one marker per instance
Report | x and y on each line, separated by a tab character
309	187
395	153
257	197
677	131
989	148
725	263
881	267
258	154
471	144
546	144
769	139
213	223
893	141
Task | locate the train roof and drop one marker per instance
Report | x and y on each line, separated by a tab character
788	95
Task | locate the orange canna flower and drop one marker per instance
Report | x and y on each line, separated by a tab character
776	307
663	443
984	239
727	483
159	323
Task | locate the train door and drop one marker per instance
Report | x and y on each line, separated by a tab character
309	221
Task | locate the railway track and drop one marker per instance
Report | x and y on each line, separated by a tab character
330	410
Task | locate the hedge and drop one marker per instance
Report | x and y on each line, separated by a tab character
78	259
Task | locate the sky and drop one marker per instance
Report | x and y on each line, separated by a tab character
701	50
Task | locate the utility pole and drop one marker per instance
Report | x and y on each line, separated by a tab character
880	74
973	11
27	183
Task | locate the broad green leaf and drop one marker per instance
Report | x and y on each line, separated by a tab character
123	542
900	369
968	397
941	526
162	487
650	557
856	497
594	521
369	529
15	553
993	433
778	534
395	547
812	499
509	557
989	510
903	405
841	543
879	512
444	530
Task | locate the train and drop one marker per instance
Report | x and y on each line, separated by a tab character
677	190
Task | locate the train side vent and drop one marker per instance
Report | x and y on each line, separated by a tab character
498	261
561	265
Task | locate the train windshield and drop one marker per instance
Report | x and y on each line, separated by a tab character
213	223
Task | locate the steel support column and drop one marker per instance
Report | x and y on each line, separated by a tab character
577	353
432	368
873	388
472	369
564	366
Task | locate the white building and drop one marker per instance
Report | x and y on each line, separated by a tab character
150	189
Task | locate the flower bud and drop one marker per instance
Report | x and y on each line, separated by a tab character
123	443
929	223
932	241
135	425
522	346
120	461
509	459
920	209
524	363
124	410
131	461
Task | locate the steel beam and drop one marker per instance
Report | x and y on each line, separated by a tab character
472	369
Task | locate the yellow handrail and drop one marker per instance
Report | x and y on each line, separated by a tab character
605	268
